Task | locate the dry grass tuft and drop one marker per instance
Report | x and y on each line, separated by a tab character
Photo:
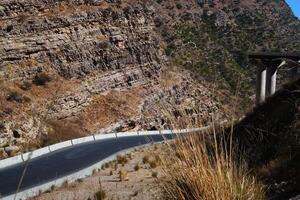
100	195
154	174
153	164
145	159
122	159
197	169
123	175
136	167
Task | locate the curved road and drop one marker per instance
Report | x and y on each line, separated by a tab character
67	161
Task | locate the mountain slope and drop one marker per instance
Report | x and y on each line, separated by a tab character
76	67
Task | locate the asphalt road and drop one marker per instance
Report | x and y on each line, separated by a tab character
67	161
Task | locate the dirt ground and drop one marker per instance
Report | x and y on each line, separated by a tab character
134	176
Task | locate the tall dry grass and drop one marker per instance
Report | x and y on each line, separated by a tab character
206	165
199	167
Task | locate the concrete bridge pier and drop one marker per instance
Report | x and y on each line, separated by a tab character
266	82
261	81
271	80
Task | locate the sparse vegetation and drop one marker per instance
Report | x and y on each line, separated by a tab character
60	130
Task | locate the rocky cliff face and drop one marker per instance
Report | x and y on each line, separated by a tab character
76	67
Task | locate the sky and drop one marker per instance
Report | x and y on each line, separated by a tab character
295	5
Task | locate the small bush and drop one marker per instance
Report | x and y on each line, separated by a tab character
122	159
158	22
154	174
158	159
145	159
136	167
25	85
2	126
41	79
114	15
106	165
17	97
135	194
100	195
94	171
178	6
123	175
129	156
26	99
170	49
65	183
153	164
52	187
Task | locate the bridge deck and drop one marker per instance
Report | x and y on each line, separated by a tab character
273	55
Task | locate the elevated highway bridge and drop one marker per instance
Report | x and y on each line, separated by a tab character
267	72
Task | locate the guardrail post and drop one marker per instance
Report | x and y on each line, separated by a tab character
94	137
22	157
49	149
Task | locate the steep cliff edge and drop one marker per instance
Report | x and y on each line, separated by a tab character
75	67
